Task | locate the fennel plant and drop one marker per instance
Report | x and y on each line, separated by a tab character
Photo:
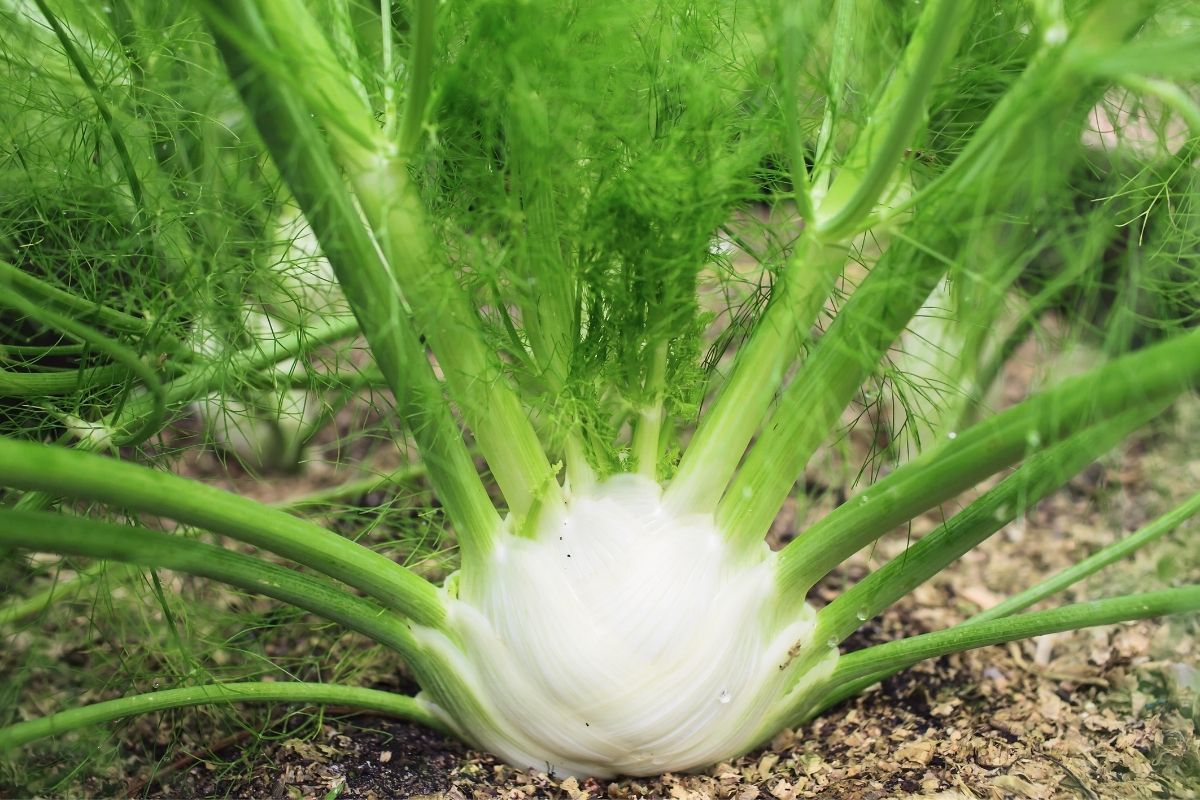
519	201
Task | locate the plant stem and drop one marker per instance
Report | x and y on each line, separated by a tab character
1094	563
45	384
648	427
70	473
297	144
812	404
44	532
1034	480
1154	373
723	432
894	121
419	74
906	652
295	112
218	694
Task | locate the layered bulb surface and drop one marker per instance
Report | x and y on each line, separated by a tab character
625	638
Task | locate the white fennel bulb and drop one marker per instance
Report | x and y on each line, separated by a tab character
623	639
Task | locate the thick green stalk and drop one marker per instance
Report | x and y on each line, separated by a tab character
812	404
298	145
1114	552
906	652
867	670
1154	373
288	109
419	73
43	532
713	454
218	694
723	434
31	466
48	384
1034	480
894	121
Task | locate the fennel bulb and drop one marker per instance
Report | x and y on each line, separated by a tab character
624	638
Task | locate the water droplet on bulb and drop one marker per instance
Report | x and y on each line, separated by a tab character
725	696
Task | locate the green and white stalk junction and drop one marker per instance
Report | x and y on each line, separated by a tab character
619	611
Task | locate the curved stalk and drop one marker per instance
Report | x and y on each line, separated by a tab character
409	708
297	143
1153	373
156	395
1093	563
906	652
895	120
812	404
70	473
1038	477
43	532
316	126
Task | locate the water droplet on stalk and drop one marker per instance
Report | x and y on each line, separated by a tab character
952	435
862	614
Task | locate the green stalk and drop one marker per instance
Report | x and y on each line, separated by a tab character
47	384
43	532
647	430
812	404
420	71
94	313
297	144
1154	373
288	109
723	434
713	454
844	43
67	589
30	466
1034	480
796	30
906	652
1108	24
1114	552
894	121
219	694
156	396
